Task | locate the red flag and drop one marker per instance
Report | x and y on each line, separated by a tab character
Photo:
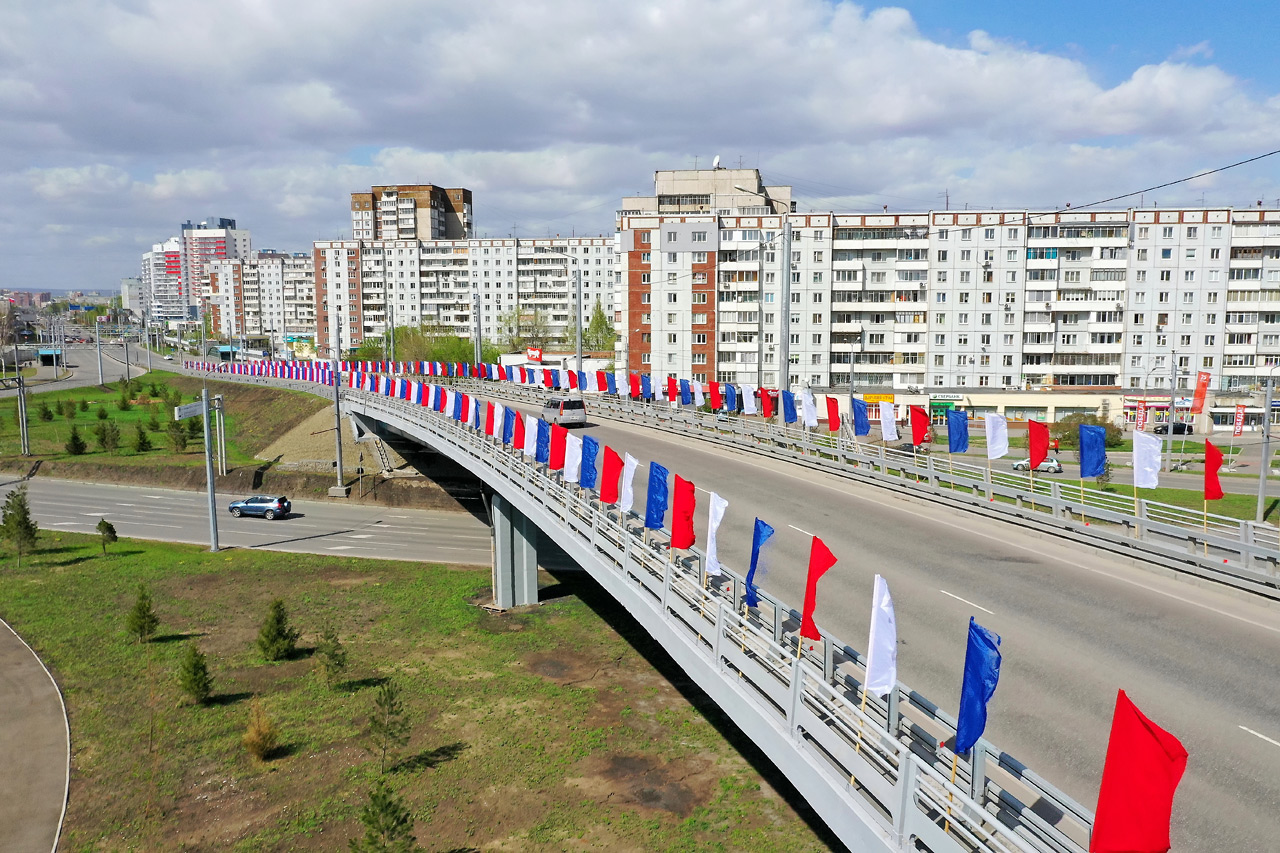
833	414
1202	388
682	506
602	381
1038	438
633	382
716	402
766	404
1135	802
920	425
523	376
820	559
573	380
556	461
546	378
1212	462
610	474
502	372
673	393
488	418
517	435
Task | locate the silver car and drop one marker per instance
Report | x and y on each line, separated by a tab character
566	411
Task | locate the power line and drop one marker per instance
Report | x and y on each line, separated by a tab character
1179	181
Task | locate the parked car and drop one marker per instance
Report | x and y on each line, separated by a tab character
908	447
565	411
168	358
1048	466
268	506
1178	429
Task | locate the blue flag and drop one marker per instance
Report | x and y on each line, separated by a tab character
612	381
457	406
981	672
731	397
509	416
542	452
646	387
587	476
788	407
655	502
686	395
1093	451
759	537
957	431
861	423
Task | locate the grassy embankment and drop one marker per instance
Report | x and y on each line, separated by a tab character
546	729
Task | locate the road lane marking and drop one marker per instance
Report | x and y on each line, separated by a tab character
360	536
149	524
805	532
1259	734
398	516
966	601
340	548
156	497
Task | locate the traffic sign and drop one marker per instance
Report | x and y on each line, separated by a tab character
190	410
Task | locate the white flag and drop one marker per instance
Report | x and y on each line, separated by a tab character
882	648
718	506
808	408
572	458
888	423
564	380
530	436
659	387
997	429
698	398
1146	461
628	496
499	415
748	399
620	382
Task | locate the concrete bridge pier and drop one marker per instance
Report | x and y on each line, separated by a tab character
515	556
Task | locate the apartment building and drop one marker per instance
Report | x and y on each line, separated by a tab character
364	286
1080	300
161	292
411	212
269	294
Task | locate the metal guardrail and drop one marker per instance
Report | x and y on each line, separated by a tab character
1243	554
876	775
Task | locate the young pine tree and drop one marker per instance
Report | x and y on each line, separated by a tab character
102	413
388	824
389	726
75	444
84	405
142	620
124	404
17	527
67	408
108	436
177	436
141	440
332	655
193	675
107	531
276	640
45	413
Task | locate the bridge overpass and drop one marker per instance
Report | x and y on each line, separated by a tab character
1077	624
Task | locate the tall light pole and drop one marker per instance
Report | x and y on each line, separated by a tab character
340	489
577	316
97	340
1266	444
476	317
784	325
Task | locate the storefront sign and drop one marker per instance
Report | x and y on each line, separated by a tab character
877	398
1239	428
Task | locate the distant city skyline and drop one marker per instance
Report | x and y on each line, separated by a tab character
123	121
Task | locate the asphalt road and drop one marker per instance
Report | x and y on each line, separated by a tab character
1075	625
83	362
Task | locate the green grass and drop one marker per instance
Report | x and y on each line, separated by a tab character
539	729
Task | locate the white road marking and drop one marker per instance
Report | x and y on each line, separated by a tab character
340	548
360	536
805	532
149	524
156	497
1189	601
397	516
966	601
93	514
1259	734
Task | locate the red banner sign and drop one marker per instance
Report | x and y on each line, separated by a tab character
1202	388
533	354
1142	417
1239	428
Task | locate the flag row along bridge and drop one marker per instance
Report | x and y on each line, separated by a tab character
875	768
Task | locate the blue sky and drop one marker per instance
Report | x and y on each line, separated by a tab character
119	119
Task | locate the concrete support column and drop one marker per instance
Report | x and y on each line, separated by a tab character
515	556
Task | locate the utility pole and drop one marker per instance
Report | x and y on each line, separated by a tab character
340	490
208	471
391	324
784	344
1266	449
476	313
577	320
146	322
22	388
97	339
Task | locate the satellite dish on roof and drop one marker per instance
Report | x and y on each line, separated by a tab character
715	164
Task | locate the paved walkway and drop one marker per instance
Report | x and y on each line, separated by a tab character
34	749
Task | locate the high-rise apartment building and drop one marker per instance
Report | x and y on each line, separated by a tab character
175	272
1135	299
269	293
161	293
411	212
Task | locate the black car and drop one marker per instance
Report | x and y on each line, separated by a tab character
267	506
1178	429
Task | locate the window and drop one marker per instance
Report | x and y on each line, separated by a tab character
700	338
644	298
943	234
1184	340
962	319
673	297
817	257
1166	254
671	236
699	237
942	255
1191	253
1142	254
942	276
988	233
817	340
644	236
645	318
672	258
644	278
1167	232
1215	254
1209	340
1013	233
1166	275
1207	361
966	233
817	319
939	297
699	319
671	319
699	257
672	338
964	299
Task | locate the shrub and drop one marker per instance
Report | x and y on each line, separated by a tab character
75	444
67	408
193	675
107	531
260	737
177	437
124	404
276	640
332	655
153	423
102	413
141	440
142	620
388	825
45	413
84	405
152	390
195	428
108	435
1067	431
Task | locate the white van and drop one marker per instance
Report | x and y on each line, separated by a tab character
566	411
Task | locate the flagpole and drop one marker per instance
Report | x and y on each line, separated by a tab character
951	471
1082	515
1031	479
946	825
1206	526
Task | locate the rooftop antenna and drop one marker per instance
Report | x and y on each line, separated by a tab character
695	163
715	164
946	197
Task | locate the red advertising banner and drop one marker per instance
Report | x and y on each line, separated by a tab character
1202	388
1239	428
1141	420
533	354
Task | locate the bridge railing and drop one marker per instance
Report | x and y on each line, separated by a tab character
881	756
1241	553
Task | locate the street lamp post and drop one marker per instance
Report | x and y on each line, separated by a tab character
1266	444
784	324
577	317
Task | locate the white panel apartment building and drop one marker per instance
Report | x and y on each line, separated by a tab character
373	283
269	293
954	300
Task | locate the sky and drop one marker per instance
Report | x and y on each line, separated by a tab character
120	119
